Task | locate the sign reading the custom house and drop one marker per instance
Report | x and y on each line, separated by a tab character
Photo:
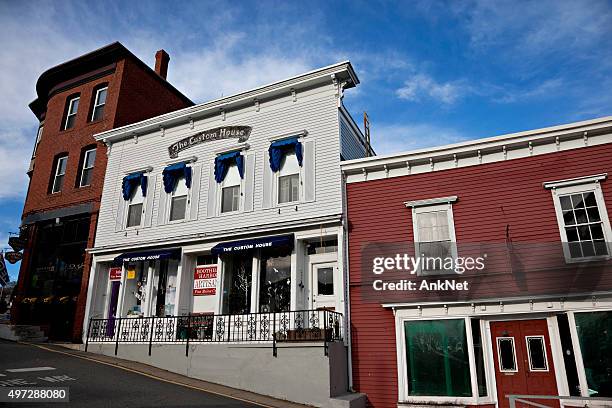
242	133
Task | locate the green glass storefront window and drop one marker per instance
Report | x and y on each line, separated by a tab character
595	336
437	358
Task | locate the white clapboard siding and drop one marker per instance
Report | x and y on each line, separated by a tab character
316	111
249	182
119	224
309	164
150	199
196	178
211	204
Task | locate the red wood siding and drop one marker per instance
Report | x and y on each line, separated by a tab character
491	198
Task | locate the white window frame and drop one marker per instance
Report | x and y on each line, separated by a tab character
574	186
404	315
69	112
96	104
38	138
277	176
143	211
537	370
87	152
219	197
499	359
57	174
433	205
187	204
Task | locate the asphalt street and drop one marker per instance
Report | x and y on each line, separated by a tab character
93	384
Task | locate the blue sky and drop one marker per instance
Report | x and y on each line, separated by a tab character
432	72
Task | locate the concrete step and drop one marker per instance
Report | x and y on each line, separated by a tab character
348	400
20	332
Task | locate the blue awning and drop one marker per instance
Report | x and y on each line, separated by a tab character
223	161
173	172
278	241
152	255
278	149
131	181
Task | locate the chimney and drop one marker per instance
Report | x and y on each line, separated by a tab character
161	63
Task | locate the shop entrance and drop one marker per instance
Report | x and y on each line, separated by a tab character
523	359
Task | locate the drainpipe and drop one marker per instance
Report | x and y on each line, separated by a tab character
347	301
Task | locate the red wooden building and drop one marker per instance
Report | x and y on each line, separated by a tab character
105	89
519	224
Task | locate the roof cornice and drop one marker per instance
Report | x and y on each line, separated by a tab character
343	72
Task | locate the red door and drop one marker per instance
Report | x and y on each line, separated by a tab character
523	360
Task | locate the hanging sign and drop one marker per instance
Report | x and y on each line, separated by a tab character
242	133
4	276
205	280
13	257
114	273
17	243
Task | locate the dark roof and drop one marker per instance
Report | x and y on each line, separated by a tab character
100	58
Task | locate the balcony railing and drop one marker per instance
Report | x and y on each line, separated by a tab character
279	327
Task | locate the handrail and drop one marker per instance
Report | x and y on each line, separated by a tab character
307	325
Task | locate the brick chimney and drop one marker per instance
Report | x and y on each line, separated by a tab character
161	63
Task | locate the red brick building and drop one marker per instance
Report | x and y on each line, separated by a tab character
530	314
105	89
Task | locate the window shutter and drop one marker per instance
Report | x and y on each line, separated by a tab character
309	170
268	181
161	211
249	182
119	224
211	208
150	199
195	192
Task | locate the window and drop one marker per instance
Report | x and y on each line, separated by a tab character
60	173
437	359
434	234
594	331
89	159
38	137
582	217
481	375
230	190
135	208
97	112
71	111
506	354
178	200
536	352
325	281
275	283
289	179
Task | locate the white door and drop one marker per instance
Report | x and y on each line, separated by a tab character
324	290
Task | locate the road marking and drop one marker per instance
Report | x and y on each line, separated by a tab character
2	375
26	370
152	376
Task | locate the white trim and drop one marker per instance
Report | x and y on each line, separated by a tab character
298	134
146	169
576	180
546	365
499	358
427	208
431	201
187	160
240	147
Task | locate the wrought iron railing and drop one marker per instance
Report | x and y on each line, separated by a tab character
319	325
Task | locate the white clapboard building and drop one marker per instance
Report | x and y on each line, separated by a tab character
222	225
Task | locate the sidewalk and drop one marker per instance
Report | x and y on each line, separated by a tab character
163	375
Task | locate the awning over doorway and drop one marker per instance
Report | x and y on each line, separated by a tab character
152	255
278	241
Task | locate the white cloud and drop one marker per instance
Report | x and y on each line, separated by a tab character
393	138
421	86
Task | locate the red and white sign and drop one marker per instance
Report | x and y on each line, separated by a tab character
114	273
205	280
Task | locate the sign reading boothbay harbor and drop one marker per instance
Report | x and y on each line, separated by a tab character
225	132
